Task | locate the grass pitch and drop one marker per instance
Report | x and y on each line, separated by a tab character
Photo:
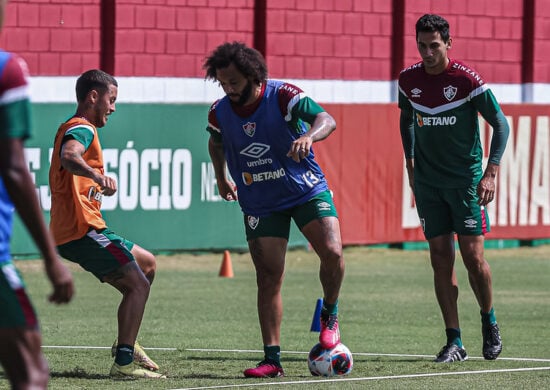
203	329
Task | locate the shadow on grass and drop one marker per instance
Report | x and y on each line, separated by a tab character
206	376
244	358
78	372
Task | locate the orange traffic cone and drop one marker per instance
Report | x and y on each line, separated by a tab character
226	270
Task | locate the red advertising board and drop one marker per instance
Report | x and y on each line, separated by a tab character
364	163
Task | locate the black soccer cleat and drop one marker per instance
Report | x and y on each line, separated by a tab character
492	343
451	353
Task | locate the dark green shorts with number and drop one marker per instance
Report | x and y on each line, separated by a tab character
16	310
278	224
447	210
99	252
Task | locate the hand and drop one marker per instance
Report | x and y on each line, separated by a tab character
486	190
227	190
107	185
300	148
62	281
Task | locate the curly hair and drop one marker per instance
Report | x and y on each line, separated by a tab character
433	23
93	79
247	60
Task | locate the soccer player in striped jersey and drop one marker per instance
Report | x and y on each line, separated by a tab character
263	131
440	99
20	338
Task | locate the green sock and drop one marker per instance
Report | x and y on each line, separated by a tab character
329	309
488	318
124	354
273	352
453	337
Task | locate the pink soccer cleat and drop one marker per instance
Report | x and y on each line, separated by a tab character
264	369
330	332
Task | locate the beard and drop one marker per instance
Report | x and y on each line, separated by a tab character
245	94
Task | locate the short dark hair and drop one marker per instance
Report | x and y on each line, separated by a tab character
247	60
93	79
433	23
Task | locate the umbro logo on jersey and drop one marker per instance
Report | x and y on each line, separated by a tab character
449	92
249	128
255	150
416	92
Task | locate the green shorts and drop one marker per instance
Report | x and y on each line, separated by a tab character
277	224
100	252
16	307
447	210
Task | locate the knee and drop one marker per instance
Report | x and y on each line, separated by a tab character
442	268
143	287
477	265
139	290
150	274
441	264
148	265
442	257
136	284
332	255
271	280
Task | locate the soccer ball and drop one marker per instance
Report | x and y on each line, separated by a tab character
330	362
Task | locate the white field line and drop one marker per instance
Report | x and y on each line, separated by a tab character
518	359
372	378
363	354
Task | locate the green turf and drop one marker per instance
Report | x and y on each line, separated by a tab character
387	311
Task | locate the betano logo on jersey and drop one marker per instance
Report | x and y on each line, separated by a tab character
249	178
435	120
95	194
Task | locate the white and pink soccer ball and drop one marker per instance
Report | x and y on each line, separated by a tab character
330	362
